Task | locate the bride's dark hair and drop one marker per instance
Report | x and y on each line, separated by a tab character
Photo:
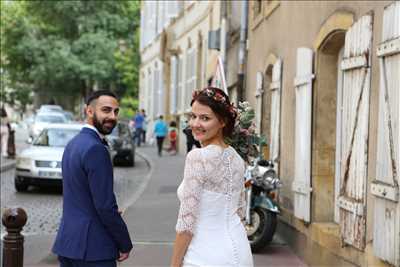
219	103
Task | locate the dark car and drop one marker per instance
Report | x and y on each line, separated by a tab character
122	145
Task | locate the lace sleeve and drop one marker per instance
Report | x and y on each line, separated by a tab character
193	180
242	205
242	200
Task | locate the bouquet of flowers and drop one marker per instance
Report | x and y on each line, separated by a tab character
244	139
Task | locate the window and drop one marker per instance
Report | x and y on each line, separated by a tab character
55	137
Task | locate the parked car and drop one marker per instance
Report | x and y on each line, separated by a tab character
69	115
28	121
122	145
40	164
50	108
43	119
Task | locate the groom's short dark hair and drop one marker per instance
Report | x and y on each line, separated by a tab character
96	94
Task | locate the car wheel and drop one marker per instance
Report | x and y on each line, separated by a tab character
20	185
131	160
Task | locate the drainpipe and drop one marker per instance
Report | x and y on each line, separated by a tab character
242	50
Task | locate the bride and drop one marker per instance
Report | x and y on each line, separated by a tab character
209	231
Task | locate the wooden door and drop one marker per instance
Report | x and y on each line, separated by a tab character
386	186
355	116
302	180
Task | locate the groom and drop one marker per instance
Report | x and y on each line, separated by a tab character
92	232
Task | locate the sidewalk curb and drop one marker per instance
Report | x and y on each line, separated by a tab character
7	166
143	185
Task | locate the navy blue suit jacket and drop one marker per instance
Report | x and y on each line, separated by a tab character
91	228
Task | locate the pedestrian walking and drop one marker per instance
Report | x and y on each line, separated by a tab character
209	228
172	136
190	141
160	132
144	128
4	132
92	231
11	150
138	120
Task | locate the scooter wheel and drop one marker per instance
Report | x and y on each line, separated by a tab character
262	230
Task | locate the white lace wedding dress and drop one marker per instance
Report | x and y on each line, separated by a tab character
212	205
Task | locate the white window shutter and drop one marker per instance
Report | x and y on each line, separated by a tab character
204	66
386	242
160	16
142	26
155	92
302	180
189	74
153	20
149	94
355	109
180	93
338	152
173	9
174	85
259	100
275	88
194	72
161	88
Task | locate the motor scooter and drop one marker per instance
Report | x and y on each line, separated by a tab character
261	184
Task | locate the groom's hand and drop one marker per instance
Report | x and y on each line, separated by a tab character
123	256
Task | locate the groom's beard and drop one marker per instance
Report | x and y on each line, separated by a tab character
104	127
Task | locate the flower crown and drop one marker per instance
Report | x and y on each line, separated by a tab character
217	95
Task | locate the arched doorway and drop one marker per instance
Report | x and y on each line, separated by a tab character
327	102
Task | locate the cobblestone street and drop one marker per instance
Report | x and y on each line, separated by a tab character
44	205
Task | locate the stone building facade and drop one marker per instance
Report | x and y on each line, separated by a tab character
175	56
324	76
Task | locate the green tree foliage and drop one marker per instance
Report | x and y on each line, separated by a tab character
69	47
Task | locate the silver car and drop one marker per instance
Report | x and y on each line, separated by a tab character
50	108
44	119
40	164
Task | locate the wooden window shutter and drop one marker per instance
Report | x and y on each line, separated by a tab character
172	9
302	180
386	186
275	88
259	100
149	93
180	93
161	98
160	16
188	78
194	71
173	85
355	116
155	92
